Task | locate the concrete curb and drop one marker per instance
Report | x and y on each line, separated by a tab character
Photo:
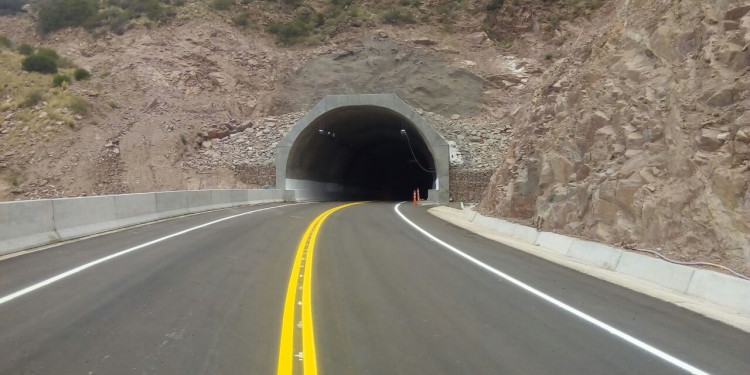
28	224
721	289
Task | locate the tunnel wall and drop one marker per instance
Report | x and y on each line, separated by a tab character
436	145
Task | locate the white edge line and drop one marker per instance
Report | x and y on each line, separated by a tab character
73	271
580	314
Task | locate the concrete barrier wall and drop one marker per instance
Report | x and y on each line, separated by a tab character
132	209
199	200
28	224
712	286
171	203
77	217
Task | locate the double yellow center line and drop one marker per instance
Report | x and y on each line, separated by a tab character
301	279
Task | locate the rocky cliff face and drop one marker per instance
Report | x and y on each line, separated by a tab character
641	135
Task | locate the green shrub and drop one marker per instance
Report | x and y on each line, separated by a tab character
495	4
31	98
397	16
41	64
241	20
79	106
290	33
298	29
81	74
10	6
54	15
48	53
58	79
410	3
222	4
25	49
5	42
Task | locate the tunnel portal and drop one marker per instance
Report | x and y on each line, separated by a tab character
355	147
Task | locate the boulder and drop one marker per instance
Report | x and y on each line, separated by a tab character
725	26
423	41
721	97
561	167
599	119
477	38
709	140
735	14
743	135
729	186
635	140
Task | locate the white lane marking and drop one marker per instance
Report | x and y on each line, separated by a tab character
588	318
74	271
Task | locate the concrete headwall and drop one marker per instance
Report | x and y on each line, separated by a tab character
390	103
27	224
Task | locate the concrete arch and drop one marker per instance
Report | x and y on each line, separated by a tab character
330	151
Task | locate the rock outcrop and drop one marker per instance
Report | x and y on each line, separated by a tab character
640	136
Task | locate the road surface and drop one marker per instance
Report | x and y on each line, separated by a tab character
381	298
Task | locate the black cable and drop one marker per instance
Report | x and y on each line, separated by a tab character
403	131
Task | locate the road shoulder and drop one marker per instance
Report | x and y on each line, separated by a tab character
720	313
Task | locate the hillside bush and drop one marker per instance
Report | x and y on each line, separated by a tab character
81	74
398	16
79	106
41	64
55	15
59	79
298	29
241	20
31	98
495	4
5	42
222	4
10	6
25	49
48	53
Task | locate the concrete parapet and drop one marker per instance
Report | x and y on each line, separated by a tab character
554	241
26	224
274	195
721	289
525	233
503	226
712	286
199	200
595	253
469	214
240	197
672	276
257	196
171	203
221	199
132	209
78	217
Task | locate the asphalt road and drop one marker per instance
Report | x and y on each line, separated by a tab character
386	300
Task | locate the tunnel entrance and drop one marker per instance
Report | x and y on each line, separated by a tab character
355	147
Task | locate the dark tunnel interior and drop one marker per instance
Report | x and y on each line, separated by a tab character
361	153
